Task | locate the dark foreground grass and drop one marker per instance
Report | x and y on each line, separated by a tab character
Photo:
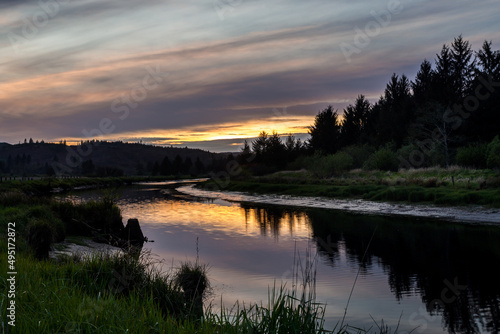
433	186
118	294
124	294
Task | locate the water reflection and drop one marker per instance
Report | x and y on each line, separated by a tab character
440	275
271	220
451	266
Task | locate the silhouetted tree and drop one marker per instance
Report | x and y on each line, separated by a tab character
199	166
246	155
156	169
423	86
187	166
139	169
396	110
88	167
259	144
177	165
355	118
462	65
166	167
325	131
482	124
275	152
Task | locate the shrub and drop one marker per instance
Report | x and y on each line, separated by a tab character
193	280
359	154
39	237
410	156
327	166
472	156
103	215
319	165
341	162
493	153
383	159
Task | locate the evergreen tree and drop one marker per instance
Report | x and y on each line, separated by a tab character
187	166
355	118
423	86
199	166
395	111
482	124
259	144
88	167
463	67
246	155
488	61
166	167
275	152
156	169
139	169
325	131
177	165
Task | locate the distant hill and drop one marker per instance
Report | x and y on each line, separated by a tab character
131	159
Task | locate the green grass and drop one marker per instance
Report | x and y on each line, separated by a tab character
123	294
454	186
118	294
46	184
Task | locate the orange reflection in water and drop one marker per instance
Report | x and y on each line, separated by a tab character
224	217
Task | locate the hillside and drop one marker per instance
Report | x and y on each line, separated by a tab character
90	157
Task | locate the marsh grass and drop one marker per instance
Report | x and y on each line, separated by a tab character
117	294
288	310
452	186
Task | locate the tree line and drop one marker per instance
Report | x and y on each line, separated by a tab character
447	114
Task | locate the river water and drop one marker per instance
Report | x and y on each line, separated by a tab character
426	269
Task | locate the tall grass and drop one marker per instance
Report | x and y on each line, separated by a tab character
288	310
118	294
452	186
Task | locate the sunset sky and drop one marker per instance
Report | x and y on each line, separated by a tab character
209	73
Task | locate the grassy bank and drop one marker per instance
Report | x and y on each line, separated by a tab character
48	184
453	186
120	293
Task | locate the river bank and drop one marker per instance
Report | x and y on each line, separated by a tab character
437	186
113	293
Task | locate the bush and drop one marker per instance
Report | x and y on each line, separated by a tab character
493	153
472	156
359	154
102	215
410	156
341	162
330	165
40	236
383	159
192	278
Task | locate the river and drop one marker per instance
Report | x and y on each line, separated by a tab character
426	269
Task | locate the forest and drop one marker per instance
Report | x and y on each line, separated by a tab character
447	115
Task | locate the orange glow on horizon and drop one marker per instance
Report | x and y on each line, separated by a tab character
251	129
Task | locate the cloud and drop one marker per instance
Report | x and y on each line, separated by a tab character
263	56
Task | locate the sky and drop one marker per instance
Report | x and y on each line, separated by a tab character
211	73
